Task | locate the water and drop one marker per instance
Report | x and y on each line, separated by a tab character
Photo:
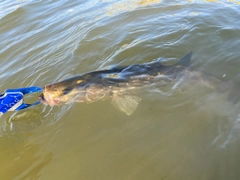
192	134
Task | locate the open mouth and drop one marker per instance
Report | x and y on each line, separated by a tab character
46	99
43	99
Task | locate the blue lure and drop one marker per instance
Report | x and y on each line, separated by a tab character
12	99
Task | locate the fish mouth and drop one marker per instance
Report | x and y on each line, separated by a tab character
45	98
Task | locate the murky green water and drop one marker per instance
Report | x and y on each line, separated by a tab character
173	135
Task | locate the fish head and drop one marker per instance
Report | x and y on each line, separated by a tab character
61	92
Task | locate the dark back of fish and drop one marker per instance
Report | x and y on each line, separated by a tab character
128	74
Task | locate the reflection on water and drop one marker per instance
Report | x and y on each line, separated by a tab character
129	5
23	122
185	130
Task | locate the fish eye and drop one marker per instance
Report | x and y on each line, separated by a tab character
66	91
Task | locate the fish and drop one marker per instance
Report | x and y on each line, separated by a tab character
116	83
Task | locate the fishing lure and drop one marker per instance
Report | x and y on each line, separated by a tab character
12	99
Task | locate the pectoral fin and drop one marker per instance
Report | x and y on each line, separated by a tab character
126	103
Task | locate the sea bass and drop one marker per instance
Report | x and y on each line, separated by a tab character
115	83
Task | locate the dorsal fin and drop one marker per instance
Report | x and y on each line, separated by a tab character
186	60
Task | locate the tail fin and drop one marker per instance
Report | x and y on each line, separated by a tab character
186	60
